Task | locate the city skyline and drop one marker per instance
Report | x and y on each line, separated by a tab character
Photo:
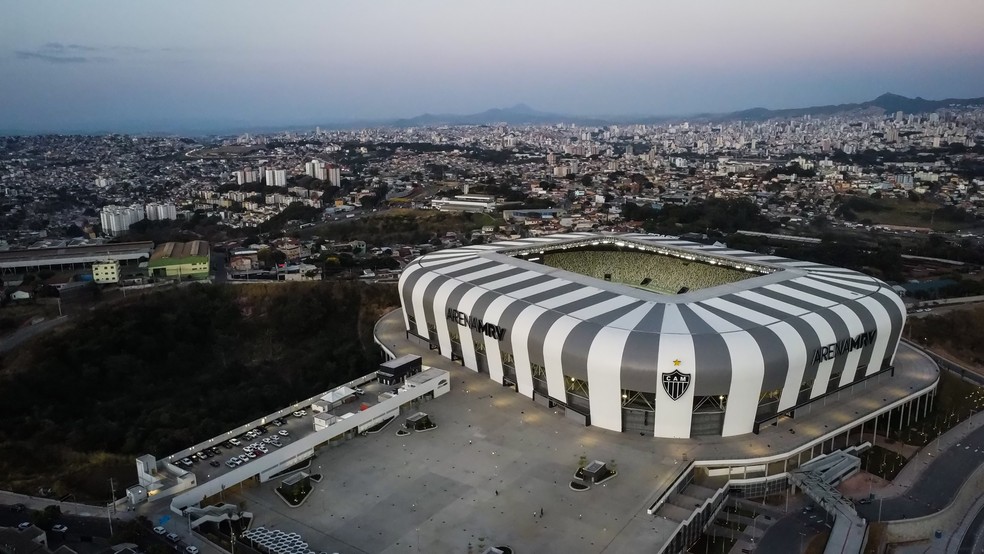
223	64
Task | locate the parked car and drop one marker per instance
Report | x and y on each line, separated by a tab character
214	463
59	528
234	442
300	413
24	525
191	549
160	530
283	433
358	391
173	537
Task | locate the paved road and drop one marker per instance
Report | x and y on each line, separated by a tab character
78	526
937	485
25	334
973	537
793	532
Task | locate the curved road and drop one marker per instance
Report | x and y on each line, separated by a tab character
938	484
973	535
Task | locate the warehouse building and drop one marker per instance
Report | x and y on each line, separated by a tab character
180	260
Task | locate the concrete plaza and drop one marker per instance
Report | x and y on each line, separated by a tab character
497	458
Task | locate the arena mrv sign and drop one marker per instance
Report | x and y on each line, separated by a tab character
476	324
831	351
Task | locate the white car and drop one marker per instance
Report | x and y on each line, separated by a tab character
59	528
160	530
283	433
234	442
300	413
24	525
191	549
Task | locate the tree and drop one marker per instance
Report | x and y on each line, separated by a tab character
270	257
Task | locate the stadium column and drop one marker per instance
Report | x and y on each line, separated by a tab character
468	354
440	319
676	353
854	328
406	296
883	326
605	369
824	368
419	310
898	321
519	337
747	370
492	351
553	349
797	353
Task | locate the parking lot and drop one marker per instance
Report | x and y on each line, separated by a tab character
216	462
494	459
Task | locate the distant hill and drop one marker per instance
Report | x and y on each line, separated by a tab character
521	114
886	103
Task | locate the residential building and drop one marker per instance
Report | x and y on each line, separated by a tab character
116	220
276	177
107	272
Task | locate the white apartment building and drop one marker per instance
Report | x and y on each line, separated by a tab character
104	273
276	177
246	176
156	212
116	220
316	169
334	175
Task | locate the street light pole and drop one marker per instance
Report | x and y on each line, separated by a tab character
112	505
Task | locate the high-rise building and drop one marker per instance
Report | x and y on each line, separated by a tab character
247	176
116	220
276	177
156	212
316	169
102	182
335	175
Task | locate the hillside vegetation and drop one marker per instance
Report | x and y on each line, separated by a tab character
956	334
166	370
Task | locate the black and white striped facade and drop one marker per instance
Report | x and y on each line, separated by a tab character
707	362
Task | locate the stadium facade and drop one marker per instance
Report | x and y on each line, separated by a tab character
653	334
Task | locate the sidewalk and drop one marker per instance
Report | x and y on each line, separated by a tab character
955	517
916	466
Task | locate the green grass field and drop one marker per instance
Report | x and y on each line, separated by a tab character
904	212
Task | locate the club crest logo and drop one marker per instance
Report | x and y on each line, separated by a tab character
676	382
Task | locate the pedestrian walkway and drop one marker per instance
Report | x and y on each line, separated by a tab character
937	490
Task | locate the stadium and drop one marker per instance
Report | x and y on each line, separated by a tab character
653	334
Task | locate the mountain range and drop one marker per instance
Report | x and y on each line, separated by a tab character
521	114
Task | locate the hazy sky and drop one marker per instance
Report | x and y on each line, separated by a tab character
112	64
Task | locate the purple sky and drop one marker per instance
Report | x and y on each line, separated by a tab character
103	64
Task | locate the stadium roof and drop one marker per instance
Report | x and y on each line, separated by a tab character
813	302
